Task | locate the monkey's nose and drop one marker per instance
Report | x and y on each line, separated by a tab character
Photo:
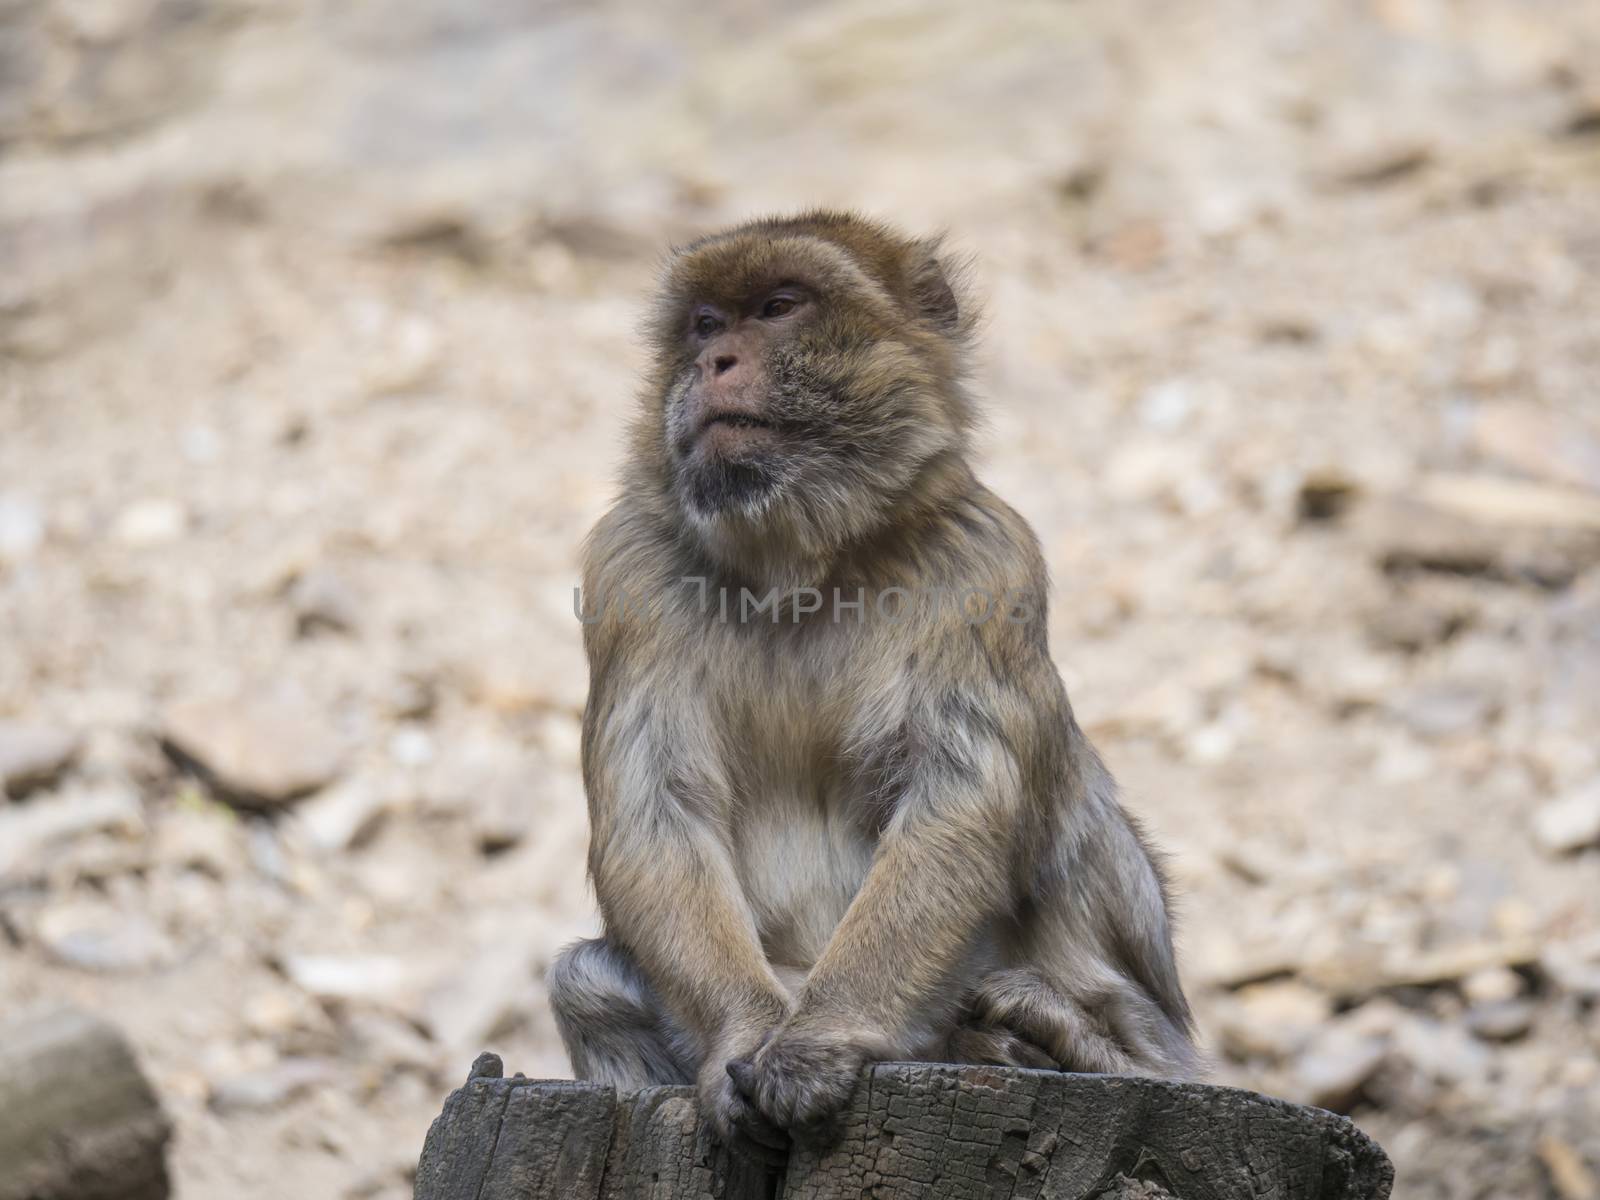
723	363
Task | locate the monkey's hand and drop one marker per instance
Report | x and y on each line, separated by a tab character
730	1114
803	1075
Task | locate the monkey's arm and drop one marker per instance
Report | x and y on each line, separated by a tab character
944	868
667	888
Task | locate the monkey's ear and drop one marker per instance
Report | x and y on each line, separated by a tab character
930	288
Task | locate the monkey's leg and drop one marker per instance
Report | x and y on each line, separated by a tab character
1111	1029
611	1021
981	1045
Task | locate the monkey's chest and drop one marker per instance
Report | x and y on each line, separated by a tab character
801	859
802	836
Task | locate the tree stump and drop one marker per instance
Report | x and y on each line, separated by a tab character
77	1119
912	1130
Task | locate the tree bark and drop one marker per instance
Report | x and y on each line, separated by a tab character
77	1119
911	1130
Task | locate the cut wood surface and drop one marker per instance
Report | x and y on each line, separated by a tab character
912	1130
77	1119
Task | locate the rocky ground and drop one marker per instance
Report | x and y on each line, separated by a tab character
317	332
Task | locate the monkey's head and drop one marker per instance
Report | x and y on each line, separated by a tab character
807	383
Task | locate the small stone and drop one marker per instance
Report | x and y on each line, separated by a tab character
560	735
21	529
1449	709
1569	1174
486	997
1492	985
1325	496
208	839
253	753
1501	1020
95	937
1234	967
27	831
1511	503
409	355
281	1011
1252	862
1539	442
153	522
389	1040
411	746
1379	165
33	755
1272	1021
323	602
1333	1069
255	1091
505	811
1433	530
411	697
1443	1053
1359	975
344	816
1570	823
373	977
1573	966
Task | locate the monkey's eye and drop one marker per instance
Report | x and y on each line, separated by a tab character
779	306
705	324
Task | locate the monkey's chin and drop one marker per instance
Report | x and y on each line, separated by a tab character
715	486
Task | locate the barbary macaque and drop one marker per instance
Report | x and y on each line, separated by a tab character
841	810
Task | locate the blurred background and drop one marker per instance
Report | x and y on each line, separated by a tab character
318	331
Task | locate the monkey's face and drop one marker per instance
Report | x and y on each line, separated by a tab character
727	424
808	373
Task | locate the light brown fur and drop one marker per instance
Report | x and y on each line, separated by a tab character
818	842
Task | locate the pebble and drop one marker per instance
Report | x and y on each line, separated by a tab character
33	755
1380	164
1571	1177
1491	985
254	753
94	937
1573	966
1442	710
209	839
323	603
21	529
485	997
505	810
411	746
1569	824
1443	1053
1271	1021
373	977
148	523
344	816
393	1041
27	831
255	1091
411	696
1501	1020
1336	1065
1539	442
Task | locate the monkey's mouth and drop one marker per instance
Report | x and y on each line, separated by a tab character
733	434
734	420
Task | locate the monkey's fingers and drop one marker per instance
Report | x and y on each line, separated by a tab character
743	1073
755	1127
746	1118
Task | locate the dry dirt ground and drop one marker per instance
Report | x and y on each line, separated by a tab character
316	337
